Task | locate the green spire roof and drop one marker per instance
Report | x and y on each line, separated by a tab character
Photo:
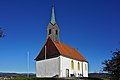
53	16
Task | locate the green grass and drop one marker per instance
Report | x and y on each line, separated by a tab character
54	79
22	79
29	79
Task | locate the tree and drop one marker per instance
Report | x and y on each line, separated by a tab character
1	33
112	66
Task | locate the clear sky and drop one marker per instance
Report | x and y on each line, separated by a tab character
90	26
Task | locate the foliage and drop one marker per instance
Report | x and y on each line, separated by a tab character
1	33
112	66
22	79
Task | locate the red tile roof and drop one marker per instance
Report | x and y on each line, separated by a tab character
68	51
60	49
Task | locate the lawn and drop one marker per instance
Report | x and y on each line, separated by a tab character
57	79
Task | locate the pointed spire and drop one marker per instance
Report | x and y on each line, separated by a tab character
53	16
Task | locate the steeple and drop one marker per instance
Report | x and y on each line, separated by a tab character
53	29
53	16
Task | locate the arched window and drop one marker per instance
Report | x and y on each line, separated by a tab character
49	31
78	66
72	65
56	32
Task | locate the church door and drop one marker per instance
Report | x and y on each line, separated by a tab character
67	72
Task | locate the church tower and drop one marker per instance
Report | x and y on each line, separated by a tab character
53	29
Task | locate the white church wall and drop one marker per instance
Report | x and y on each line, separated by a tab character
65	63
47	68
85	69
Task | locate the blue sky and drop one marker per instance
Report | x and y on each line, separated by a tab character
90	26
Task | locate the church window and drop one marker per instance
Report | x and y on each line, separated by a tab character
72	65
78	66
56	32
49	31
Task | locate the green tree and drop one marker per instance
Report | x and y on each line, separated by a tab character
1	33
112	66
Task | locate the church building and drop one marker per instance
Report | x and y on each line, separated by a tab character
57	59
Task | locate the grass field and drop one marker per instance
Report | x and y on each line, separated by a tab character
57	79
